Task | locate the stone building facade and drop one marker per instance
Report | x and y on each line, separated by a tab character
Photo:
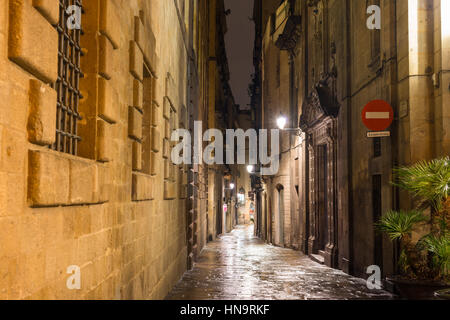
319	64
85	125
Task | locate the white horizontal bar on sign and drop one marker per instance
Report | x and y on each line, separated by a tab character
378	134
378	115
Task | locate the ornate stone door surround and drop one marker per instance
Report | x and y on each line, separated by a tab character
319	122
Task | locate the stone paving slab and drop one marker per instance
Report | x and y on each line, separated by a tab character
240	266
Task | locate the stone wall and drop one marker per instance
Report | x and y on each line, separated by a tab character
118	208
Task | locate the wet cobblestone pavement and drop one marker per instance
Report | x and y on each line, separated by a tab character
239	266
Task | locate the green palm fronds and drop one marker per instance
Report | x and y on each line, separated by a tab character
440	248
398	224
429	181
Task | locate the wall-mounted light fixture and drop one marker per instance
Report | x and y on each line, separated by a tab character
281	123
231	186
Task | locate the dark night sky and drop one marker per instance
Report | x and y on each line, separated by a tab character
239	42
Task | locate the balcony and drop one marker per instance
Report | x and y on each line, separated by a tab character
286	27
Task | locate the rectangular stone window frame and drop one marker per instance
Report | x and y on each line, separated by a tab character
144	125
182	168
145	148
170	123
100	106
82	179
149	125
169	167
67	85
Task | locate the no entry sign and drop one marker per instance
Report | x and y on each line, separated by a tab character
377	115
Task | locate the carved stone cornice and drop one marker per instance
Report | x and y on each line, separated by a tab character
321	103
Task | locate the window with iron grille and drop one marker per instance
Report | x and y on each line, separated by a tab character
68	82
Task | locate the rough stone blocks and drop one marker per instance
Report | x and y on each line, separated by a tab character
139	33
169	190
134	123
57	179
108	22
142	188
167	132
156	140
49	9
104	146
137	156
167	168
48	180
155	114
108	101
138	95
106	58
33	41
41	121
153	164
166	108
83	182
166	149
136	61
103	183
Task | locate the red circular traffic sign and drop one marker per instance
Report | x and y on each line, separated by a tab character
377	115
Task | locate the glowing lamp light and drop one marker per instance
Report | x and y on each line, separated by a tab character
232	186
281	122
250	168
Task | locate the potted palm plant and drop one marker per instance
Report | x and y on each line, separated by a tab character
422	233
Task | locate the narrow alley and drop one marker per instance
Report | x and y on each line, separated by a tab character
239	266
224	149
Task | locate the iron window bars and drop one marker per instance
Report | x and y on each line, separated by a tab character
68	81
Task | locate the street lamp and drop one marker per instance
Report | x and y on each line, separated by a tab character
231	186
281	123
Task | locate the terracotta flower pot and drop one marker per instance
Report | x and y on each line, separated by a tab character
417	289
